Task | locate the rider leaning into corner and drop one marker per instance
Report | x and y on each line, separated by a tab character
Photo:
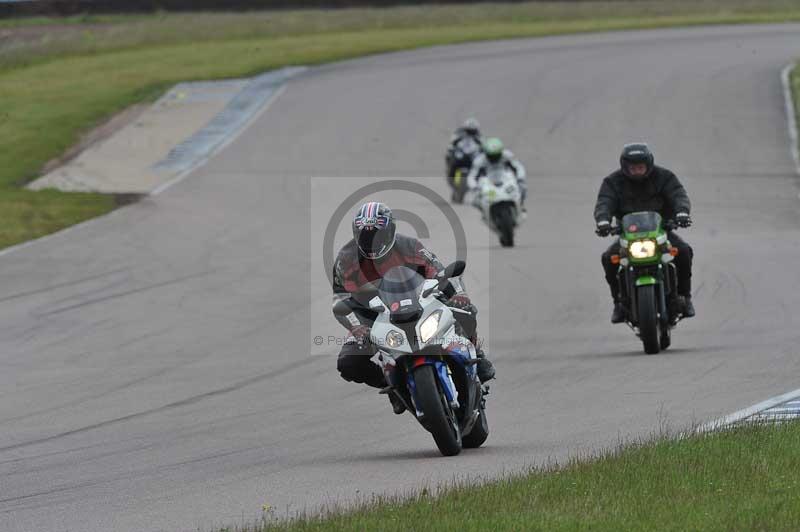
374	250
495	154
640	185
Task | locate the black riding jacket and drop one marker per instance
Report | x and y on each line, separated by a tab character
660	191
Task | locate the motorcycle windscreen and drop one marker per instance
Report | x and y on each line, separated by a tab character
641	222
399	290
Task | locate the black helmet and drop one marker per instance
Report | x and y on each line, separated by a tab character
636	153
374	230
471	127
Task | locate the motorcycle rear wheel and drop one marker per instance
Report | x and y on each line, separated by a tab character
479	432
666	336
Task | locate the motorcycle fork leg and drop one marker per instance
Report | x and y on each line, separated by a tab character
628	280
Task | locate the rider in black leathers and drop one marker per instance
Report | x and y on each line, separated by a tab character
469	130
640	185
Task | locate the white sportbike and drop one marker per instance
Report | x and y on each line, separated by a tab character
499	199
427	364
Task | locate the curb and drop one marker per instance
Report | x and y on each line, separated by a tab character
779	408
243	109
253	100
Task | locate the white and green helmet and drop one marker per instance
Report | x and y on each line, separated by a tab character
493	148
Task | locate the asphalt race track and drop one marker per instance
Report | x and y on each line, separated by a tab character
157	368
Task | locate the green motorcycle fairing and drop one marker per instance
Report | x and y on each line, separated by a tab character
643	238
646	280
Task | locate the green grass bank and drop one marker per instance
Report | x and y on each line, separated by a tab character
740	479
60	78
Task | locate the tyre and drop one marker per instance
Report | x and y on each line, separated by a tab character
504	221
648	318
479	432
439	417
666	336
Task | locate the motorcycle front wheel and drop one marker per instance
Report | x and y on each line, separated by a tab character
439	417
504	221
648	318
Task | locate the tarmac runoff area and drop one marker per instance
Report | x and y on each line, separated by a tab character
145	151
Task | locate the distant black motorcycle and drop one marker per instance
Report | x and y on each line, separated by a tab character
459	161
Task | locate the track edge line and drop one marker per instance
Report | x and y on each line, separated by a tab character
747	412
791	114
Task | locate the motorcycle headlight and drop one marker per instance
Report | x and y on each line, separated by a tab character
430	326
394	339
642	249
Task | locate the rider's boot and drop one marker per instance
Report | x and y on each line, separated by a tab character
618	314
397	404
688	307
485	367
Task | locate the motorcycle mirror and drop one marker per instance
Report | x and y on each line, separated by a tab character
455	269
341	308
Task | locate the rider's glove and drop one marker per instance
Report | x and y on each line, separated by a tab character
603	228
361	334
475	194
460	301
683	219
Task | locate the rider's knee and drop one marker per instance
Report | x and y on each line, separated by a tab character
350	363
608	266
685	255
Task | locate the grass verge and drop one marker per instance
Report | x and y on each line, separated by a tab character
59	80
739	479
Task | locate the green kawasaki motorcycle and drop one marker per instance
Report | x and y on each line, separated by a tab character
648	278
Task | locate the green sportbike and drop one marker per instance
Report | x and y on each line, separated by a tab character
648	278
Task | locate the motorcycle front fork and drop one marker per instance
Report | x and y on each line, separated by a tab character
627	287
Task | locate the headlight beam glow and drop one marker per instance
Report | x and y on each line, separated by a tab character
430	326
642	249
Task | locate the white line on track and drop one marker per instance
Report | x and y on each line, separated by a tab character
749	411
791	115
